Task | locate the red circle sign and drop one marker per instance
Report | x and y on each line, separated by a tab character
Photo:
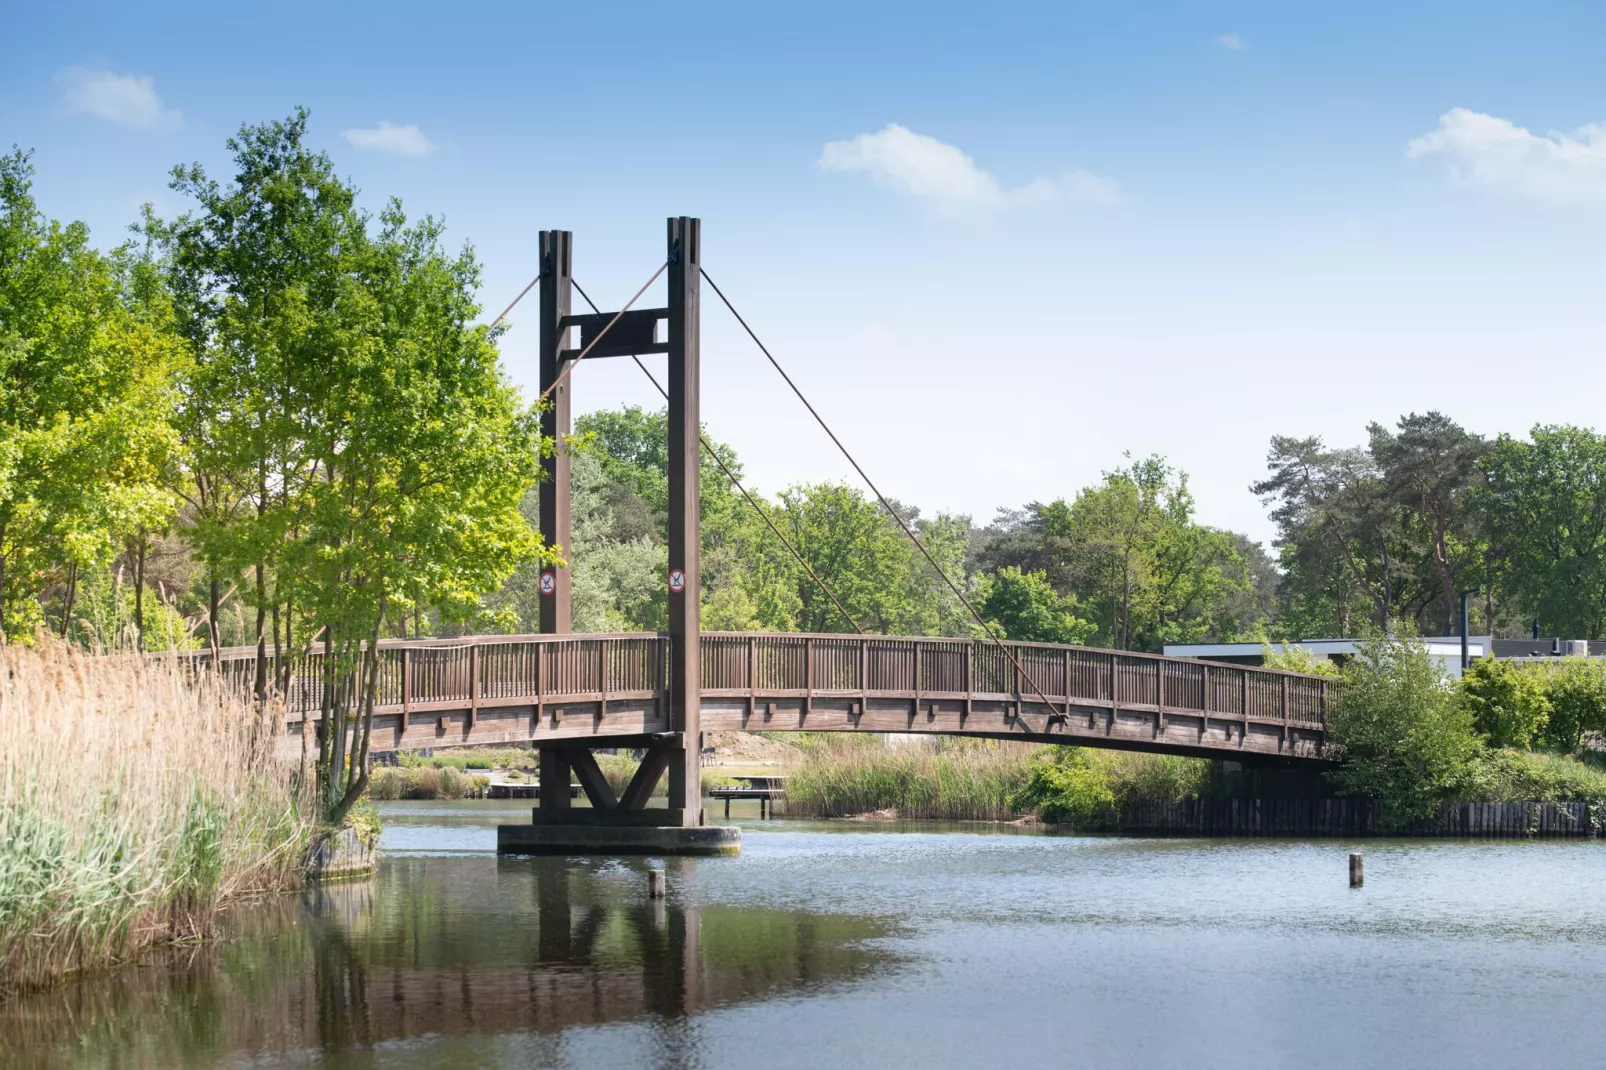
677	580
549	583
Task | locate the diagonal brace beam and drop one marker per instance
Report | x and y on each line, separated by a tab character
651	770
592	782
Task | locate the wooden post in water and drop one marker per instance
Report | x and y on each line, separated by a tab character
655	884
1357	869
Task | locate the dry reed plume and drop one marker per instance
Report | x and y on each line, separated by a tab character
137	801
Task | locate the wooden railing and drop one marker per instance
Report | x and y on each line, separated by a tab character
423	675
736	664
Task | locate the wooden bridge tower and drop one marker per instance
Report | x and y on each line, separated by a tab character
630	333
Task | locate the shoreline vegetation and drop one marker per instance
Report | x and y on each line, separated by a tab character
138	803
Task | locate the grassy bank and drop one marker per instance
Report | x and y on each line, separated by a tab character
948	779
427	782
136	804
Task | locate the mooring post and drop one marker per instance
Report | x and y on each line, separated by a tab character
685	493
655	884
556	273
1357	869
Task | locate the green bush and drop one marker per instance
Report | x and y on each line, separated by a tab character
1297	659
1404	737
1078	785
1576	689
1506	701
1526	776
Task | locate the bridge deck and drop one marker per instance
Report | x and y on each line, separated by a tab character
609	688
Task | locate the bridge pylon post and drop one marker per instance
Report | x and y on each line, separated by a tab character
557	267
685	529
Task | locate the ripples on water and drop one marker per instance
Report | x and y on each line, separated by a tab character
876	946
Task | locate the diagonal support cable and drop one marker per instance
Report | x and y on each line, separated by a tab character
763	514
516	300
988	628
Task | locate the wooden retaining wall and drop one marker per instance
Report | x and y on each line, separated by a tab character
1352	817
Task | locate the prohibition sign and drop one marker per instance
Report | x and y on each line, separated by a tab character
677	580
549	583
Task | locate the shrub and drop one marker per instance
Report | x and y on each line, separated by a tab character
1506	701
1525	776
1078	785
1576	690
1404	737
1297	659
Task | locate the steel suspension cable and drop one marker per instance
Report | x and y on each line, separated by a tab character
737	483
517	299
988	628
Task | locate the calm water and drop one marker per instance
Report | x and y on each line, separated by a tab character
863	945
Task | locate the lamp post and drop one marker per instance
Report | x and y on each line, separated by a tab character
1466	658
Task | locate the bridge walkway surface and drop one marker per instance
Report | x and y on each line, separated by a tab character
612	690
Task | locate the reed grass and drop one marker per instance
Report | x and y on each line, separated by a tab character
136	801
425	782
942	779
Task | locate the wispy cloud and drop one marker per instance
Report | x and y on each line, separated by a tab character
406	140
117	98
942	176
1231	42
1487	150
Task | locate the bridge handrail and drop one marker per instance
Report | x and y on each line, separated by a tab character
423	674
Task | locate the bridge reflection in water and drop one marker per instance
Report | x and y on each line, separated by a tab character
613	690
437	949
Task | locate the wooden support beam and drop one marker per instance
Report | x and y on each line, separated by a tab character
648	773
554	490
684	254
554	778
592	782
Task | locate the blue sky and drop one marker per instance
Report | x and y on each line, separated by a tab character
1000	245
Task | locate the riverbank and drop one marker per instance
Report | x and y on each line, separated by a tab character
138	802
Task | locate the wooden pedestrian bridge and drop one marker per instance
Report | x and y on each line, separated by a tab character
613	690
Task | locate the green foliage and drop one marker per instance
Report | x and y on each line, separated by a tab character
1023	606
1505	700
1292	658
1080	786
1544	507
87	359
1576	691
1405	738
1134	559
1503	775
426	782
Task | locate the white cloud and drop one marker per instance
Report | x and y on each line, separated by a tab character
1232	42
118	98
944	177
1487	150
402	140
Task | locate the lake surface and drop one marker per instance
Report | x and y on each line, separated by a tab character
863	945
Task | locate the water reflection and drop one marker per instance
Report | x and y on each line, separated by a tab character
440	949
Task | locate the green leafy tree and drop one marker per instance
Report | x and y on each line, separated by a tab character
363	451
1543	504
1576	691
1298	659
1505	700
1404	737
1429	466
1023	606
87	358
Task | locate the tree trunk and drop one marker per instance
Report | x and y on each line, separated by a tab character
139	591
72	597
260	683
212	632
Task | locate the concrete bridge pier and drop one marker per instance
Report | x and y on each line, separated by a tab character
626	824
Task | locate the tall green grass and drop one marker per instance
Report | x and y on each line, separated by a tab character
135	802
941	779
425	782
